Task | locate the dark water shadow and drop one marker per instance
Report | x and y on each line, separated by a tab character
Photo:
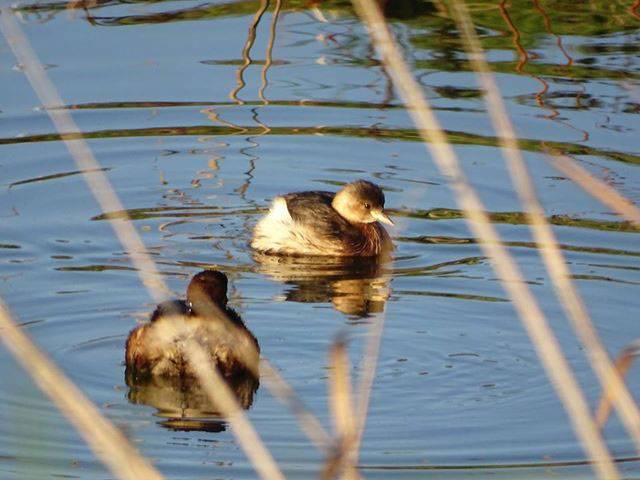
432	214
494	466
55	176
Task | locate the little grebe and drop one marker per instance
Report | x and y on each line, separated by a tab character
325	223
158	347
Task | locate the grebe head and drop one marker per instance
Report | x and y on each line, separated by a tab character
207	288
361	202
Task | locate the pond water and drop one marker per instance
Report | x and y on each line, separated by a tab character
197	127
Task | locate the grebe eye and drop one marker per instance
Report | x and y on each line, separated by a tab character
367	206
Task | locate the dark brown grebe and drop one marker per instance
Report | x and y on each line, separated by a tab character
157	348
326	223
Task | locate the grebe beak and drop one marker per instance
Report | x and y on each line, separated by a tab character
381	216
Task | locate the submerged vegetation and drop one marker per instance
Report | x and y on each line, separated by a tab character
391	134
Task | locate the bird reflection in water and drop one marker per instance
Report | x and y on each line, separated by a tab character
356	286
183	404
158	370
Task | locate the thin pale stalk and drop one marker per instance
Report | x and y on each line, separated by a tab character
340	398
551	254
282	391
535	323
97	181
623	364
221	395
104	439
596	187
108	200
81	153
368	368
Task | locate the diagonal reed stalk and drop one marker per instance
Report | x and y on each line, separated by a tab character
221	395
341	462
106	441
547	243
108	200
282	391
128	237
596	187
623	363
543	339
368	369
95	177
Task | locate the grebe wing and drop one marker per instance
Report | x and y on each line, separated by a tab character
314	209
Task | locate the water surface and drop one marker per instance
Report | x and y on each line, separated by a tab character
198	128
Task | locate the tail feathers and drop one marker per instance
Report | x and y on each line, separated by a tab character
274	230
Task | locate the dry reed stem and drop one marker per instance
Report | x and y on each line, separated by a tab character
368	369
108	200
104	439
340	398
221	395
282	391
623	363
545	239
596	187
128	237
309	424
228	406
81	153
542	337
